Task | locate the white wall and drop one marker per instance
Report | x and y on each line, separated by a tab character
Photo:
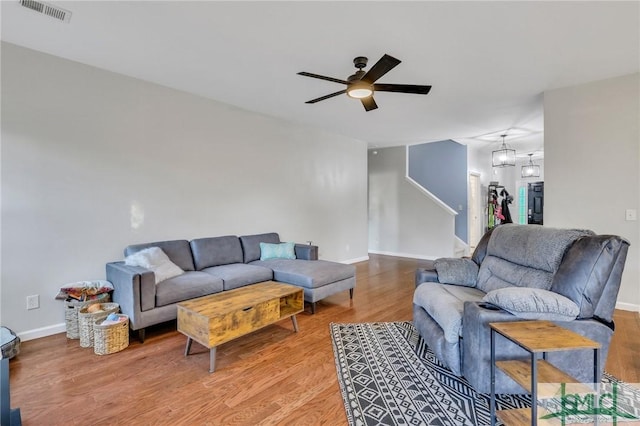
592	163
479	162
402	220
93	161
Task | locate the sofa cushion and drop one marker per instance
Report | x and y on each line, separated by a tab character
178	251
524	256
187	286
251	244
216	251
307	273
458	271
586	269
239	274
445	304
533	304
155	260
277	251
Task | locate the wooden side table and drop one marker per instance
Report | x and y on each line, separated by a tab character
537	337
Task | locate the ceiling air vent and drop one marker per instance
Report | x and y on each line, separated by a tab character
47	9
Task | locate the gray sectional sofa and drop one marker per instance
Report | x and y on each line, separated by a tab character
520	272
216	264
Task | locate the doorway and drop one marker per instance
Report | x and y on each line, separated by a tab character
535	203
475	209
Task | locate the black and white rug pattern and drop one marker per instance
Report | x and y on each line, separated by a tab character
388	376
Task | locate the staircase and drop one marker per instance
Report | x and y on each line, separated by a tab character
460	248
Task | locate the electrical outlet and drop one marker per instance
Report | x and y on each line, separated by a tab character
631	214
33	302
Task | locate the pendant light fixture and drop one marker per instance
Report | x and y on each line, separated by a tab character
530	170
504	157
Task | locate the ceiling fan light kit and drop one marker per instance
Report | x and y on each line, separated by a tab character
361	85
359	90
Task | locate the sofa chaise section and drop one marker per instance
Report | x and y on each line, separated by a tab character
318	278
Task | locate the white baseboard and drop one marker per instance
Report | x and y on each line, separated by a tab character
628	307
356	260
42	332
409	255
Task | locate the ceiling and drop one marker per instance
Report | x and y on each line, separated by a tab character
489	62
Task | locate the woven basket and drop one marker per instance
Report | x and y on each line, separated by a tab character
71	309
86	320
111	338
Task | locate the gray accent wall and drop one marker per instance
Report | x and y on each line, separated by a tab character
592	165
441	168
403	221
93	161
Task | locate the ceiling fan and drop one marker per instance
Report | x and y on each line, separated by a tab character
361	85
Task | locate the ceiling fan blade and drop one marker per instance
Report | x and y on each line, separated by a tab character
322	77
322	98
380	68
402	88
369	103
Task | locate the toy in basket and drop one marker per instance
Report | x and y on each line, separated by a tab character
72	307
88	315
79	295
111	334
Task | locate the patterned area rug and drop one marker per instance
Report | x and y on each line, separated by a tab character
387	378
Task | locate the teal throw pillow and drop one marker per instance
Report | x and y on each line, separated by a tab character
277	251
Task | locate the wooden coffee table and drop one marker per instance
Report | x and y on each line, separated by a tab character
221	317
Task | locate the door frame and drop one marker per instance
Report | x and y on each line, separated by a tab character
475	210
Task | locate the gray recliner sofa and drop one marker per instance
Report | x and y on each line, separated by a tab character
216	264
516	273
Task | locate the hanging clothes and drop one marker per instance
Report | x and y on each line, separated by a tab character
506	200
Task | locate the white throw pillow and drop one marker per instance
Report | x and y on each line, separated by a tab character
154	259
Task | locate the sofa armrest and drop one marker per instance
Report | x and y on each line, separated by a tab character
306	252
457	271
133	289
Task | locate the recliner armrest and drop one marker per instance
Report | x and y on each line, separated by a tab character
476	347
306	252
427	273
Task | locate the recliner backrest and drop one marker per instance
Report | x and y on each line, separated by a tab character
481	248
590	274
524	256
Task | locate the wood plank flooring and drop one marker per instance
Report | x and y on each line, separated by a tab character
272	376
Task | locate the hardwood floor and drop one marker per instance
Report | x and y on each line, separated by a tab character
272	376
